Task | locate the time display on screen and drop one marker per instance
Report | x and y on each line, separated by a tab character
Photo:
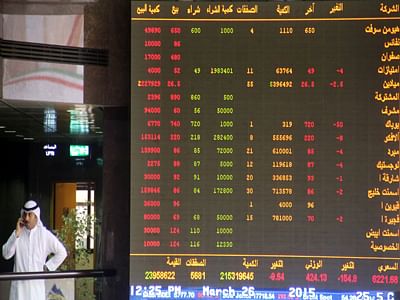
265	150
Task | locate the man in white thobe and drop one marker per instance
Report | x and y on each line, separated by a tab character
31	244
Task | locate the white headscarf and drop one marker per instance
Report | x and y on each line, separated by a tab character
32	206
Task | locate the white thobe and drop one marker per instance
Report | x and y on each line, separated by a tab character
31	250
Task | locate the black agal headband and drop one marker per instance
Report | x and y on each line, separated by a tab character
31	208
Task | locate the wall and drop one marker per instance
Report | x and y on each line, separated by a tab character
14	162
114	248
65	198
107	26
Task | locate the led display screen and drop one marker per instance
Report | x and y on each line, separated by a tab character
265	150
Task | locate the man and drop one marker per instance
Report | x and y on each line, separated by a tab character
31	244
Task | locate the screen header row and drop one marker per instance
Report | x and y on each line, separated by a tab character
265	10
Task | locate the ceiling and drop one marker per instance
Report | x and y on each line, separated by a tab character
32	121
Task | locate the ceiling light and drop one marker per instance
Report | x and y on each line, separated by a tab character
9	131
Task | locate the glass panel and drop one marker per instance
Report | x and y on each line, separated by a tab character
4	289
60	288
66	30
42	81
87	288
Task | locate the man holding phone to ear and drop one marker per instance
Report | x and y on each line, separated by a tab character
31	243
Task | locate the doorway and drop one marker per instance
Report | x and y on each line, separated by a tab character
77	199
74	217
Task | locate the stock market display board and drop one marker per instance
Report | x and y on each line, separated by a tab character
265	150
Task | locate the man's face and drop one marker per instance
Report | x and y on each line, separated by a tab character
30	220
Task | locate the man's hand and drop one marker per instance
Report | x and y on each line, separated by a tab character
19	226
